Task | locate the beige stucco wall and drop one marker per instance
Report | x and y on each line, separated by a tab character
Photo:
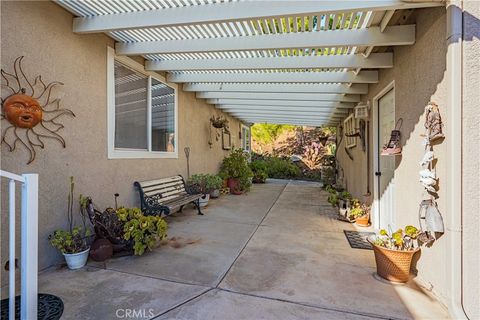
42	32
419	75
471	162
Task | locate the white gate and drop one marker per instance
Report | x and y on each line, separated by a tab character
29	244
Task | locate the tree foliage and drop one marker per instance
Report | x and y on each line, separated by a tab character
266	133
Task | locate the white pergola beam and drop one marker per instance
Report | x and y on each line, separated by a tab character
283	110
248	103
213	13
278	77
392	36
296	116
284	116
315	122
292	122
279	96
292	107
286	119
287	114
375	60
293	110
359	88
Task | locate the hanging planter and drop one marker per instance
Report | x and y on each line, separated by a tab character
219	122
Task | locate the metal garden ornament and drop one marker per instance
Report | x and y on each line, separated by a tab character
31	111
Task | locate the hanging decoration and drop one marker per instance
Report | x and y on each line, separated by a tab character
428	211
433	123
31	111
394	146
220	124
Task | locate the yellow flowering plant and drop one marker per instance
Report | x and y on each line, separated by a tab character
402	239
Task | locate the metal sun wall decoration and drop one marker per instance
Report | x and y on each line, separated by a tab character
31	111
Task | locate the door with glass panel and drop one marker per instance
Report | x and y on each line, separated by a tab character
386	164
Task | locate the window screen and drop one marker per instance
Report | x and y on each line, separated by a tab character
130	108
163	117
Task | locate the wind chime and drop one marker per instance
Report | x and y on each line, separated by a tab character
428	211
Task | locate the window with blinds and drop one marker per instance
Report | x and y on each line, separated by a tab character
145	113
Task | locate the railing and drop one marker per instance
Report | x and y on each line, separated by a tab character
29	241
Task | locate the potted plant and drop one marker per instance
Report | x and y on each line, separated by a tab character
214	184
344	203
199	182
236	170
360	213
394	252
74	242
332	195
259	169
219	122
145	231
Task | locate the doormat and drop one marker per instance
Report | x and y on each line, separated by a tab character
358	240
50	307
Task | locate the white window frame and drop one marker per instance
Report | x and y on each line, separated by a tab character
349	128
120	153
247	128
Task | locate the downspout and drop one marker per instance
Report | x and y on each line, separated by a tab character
454	212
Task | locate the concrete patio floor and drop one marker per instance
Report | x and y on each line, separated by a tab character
276	253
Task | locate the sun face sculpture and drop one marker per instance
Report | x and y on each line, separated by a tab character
30	111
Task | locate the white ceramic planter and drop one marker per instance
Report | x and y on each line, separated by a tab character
215	193
204	200
76	260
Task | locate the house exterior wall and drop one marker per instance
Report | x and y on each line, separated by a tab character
419	75
471	163
79	61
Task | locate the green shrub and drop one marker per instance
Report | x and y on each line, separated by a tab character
236	166
345	195
204	182
214	182
279	168
259	169
333	199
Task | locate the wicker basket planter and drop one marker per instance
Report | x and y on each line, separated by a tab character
393	265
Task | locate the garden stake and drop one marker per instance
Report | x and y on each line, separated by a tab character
187	154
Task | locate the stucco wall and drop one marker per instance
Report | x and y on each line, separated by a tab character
419	74
471	162
42	32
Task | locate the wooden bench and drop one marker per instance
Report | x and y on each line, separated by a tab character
165	196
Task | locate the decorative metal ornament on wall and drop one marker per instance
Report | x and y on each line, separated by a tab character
31	111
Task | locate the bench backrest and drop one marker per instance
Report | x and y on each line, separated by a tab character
163	189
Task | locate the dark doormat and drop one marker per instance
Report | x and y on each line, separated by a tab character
358	240
50	307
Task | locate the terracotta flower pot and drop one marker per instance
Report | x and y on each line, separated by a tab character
234	186
362	221
393	265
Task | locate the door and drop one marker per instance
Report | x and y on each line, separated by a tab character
386	164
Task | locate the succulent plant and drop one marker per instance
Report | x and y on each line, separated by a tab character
402	239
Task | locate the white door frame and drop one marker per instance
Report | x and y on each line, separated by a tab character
376	164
